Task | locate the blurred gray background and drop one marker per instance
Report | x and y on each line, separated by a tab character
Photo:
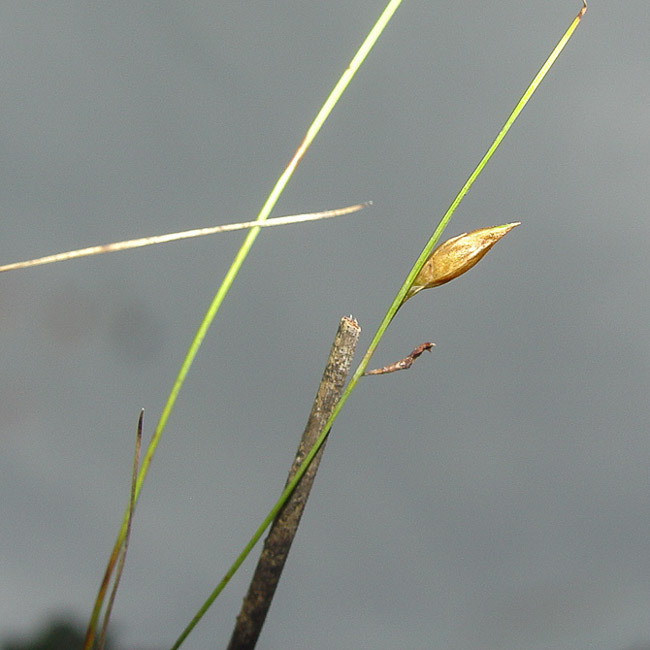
496	495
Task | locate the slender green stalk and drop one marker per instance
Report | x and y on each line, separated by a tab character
313	130
397	302
229	278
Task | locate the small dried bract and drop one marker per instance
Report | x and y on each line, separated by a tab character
402	364
457	255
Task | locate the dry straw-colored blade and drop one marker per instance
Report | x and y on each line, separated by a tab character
186	234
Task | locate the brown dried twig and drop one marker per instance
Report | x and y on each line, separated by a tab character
276	546
402	364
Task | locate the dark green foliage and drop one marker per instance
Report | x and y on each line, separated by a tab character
60	633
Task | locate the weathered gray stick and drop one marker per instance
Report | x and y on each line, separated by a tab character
276	546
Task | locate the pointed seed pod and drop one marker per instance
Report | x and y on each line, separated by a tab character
457	255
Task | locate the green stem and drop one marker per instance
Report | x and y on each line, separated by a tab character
397	302
241	255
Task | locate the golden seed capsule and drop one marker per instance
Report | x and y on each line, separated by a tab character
457	255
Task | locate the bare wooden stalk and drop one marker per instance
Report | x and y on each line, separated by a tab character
276	546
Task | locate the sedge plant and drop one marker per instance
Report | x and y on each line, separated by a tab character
409	288
427	271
